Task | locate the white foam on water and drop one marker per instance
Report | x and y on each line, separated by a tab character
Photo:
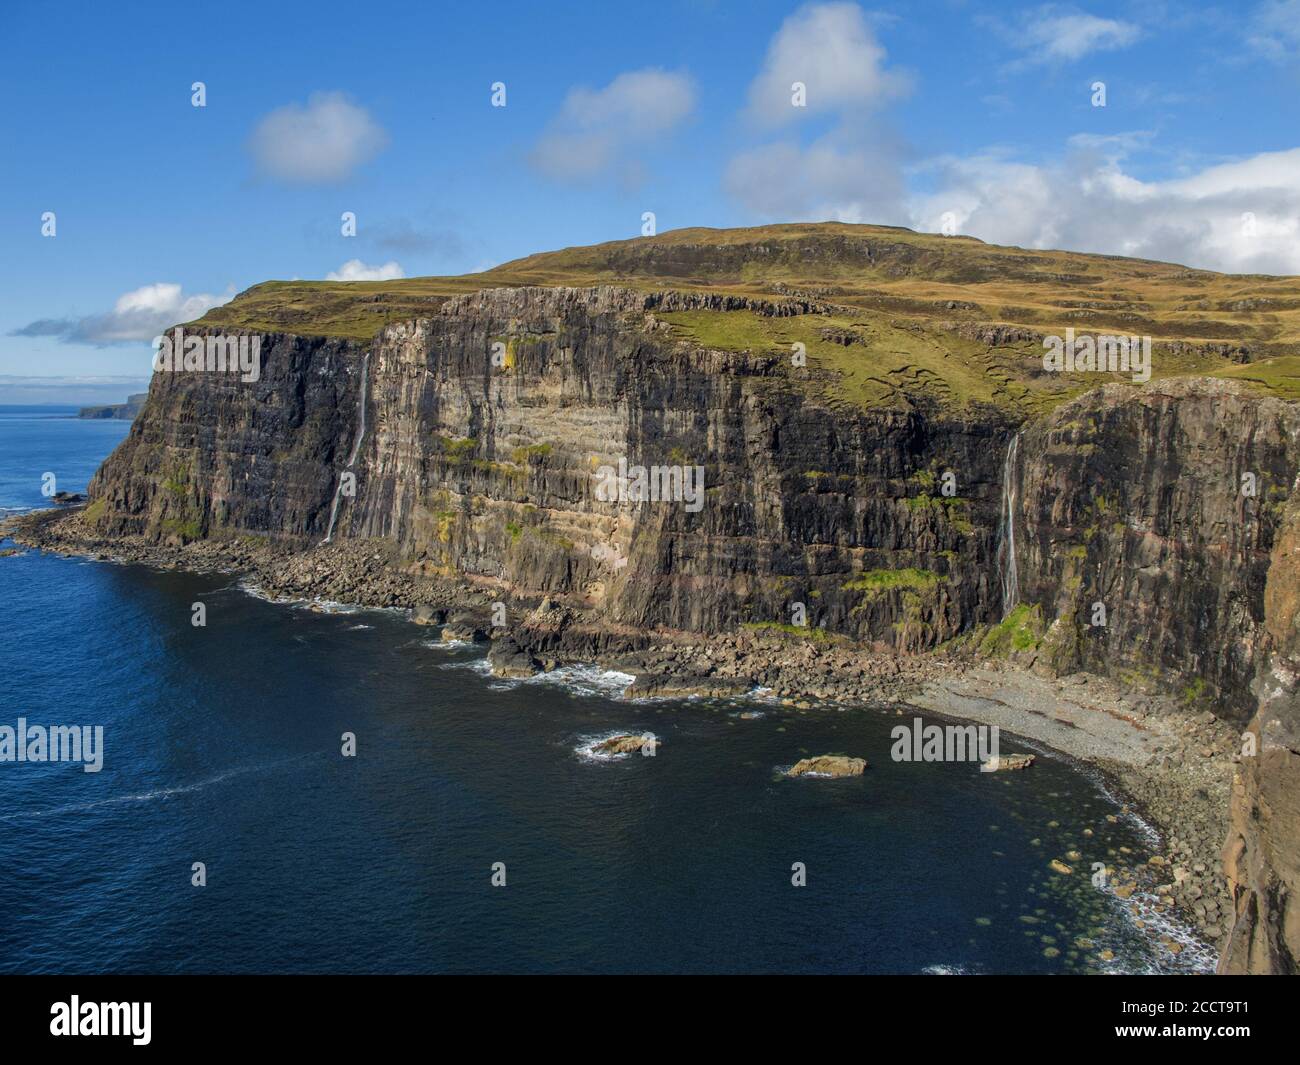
474	665
586	745
319	605
146	796
447	645
579	679
1160	924
248	587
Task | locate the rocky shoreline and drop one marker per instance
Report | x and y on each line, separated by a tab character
1173	766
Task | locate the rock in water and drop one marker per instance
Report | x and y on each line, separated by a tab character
428	615
674	686
1003	762
828	765
628	744
508	659
459	631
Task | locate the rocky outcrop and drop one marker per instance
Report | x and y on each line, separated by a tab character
1261	857
828	765
626	744
1007	762
507	658
685	686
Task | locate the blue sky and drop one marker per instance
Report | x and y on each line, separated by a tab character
982	113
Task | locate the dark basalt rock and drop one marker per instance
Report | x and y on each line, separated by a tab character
677	686
508	659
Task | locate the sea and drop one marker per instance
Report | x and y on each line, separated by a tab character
308	787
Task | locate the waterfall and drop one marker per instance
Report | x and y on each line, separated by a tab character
356	445
1007	529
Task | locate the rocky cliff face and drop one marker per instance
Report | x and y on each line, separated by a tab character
1149	518
214	455
488	423
492	470
1262	854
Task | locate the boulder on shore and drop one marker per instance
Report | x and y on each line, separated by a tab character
828	765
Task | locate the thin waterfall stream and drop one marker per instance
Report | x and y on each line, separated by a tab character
1007	529
356	446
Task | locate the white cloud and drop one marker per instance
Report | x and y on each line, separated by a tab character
1240	217
831	179
356	270
853	172
1052	33
1274	30
325	141
138	315
599	129
833	51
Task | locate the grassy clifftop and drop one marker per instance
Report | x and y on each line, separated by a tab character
908	313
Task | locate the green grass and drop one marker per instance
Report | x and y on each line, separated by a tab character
918	306
456	450
523	454
878	581
1020	630
804	631
1279	377
186	529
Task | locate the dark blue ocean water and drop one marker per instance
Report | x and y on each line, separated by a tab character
222	746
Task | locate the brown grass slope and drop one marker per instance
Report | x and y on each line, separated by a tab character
906	315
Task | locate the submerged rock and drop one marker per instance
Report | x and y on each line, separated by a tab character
828	765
